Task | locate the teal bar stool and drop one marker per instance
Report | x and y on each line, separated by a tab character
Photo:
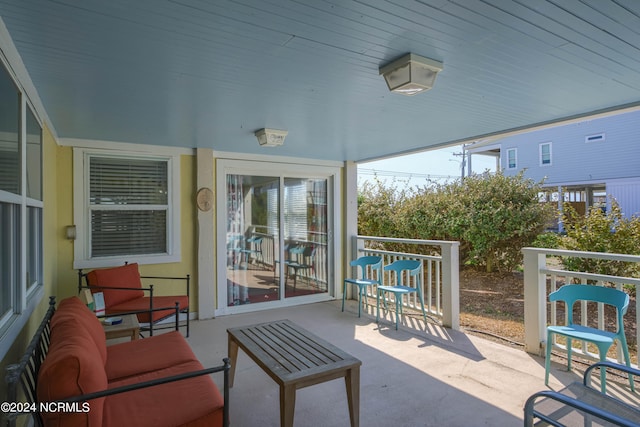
401	267
602	339
373	263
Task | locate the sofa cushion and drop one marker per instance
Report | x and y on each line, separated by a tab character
125	276
158	302
193	402
150	354
73	366
72	309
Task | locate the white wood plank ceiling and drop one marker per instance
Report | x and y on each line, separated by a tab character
208	73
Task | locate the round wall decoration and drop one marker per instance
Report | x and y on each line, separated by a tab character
204	199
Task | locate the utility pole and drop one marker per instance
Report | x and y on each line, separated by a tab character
463	162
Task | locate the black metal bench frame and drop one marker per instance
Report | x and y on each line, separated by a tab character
23	376
530	412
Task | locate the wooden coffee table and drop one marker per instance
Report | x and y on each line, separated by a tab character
295	358
128	328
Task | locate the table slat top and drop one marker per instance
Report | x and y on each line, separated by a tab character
290	352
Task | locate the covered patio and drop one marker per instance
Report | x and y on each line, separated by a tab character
103	92
419	375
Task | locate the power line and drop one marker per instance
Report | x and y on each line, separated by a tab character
397	174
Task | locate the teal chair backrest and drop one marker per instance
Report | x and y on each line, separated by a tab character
570	294
297	250
411	265
374	262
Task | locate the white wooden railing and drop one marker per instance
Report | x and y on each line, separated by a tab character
440	274
539	276
269	254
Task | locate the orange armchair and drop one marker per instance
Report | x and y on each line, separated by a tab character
124	293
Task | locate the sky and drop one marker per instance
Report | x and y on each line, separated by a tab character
418	169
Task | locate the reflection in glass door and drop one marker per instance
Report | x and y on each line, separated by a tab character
252	202
305	236
270	219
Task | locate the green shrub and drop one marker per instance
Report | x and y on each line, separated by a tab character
598	231
492	216
503	215
548	240
377	208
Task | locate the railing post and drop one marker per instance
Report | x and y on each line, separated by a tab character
451	285
535	301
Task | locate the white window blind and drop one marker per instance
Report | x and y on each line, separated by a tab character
272	211
545	154
129	203
295	209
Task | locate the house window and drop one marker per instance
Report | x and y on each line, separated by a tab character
512	158
33	219
545	154
21	258
129	210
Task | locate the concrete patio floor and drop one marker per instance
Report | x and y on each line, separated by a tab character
416	376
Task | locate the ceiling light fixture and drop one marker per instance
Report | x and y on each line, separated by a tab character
271	137
411	74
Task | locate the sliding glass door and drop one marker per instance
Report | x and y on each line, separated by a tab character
305	236
251	238
276	236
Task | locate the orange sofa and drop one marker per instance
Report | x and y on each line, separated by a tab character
79	365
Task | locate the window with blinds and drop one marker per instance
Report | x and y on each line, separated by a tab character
512	158
129	202
545	154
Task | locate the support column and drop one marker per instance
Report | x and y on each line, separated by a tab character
350	222
206	240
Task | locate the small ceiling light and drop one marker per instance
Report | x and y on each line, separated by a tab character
271	137
411	74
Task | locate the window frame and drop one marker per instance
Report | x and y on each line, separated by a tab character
540	154
82	210
24	297
515	158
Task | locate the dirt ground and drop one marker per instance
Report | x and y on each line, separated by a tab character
492	305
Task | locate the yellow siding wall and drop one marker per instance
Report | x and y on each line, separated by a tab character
68	277
51	232
60	279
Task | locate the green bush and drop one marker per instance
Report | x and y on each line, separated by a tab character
492	216
601	232
377	208
548	240
502	215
